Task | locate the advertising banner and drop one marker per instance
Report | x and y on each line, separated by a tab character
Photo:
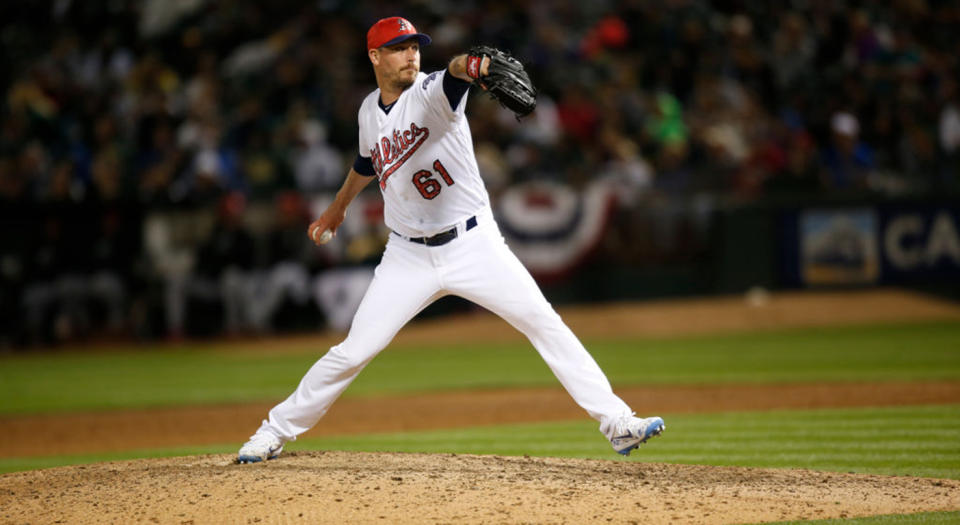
920	243
884	244
839	247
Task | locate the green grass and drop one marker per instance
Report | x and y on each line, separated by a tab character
164	377
924	351
912	441
132	379
33	463
922	518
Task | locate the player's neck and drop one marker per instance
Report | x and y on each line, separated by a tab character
390	90
389	95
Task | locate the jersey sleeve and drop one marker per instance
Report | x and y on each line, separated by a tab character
455	89
362	143
363	166
444	93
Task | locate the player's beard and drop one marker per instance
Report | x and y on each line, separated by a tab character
403	80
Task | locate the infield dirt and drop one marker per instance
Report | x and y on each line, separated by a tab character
339	487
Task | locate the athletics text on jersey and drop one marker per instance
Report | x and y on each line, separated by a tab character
421	150
388	155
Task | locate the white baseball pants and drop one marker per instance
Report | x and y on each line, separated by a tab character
477	266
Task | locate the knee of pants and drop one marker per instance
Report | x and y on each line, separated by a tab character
535	319
344	359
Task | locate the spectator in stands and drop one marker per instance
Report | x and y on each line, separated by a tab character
53	296
799	176
220	275
288	260
225	261
114	251
949	134
264	171
848	160
158	166
317	166
214	169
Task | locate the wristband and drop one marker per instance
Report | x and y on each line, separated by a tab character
473	66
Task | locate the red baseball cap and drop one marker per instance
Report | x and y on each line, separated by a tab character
389	31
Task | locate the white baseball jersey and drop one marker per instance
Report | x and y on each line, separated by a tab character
422	152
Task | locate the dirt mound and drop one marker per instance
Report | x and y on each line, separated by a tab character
339	487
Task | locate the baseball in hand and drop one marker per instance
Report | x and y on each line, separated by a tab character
323	238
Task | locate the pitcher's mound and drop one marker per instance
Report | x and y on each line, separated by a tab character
341	487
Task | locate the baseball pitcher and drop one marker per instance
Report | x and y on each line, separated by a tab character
415	141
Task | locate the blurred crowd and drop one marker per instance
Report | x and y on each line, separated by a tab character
160	159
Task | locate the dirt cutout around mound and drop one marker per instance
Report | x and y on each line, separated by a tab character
90	433
341	487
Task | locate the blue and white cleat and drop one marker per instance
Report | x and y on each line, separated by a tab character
262	445
631	432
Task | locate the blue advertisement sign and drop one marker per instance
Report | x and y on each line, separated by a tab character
920	243
884	244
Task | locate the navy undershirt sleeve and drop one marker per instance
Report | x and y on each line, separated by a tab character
454	88
363	166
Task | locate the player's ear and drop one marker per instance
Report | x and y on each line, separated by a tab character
374	55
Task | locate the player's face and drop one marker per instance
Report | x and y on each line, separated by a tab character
400	63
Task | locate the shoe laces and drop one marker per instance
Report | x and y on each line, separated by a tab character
626	423
616	426
263	439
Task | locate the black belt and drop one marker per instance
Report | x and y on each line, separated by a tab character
443	237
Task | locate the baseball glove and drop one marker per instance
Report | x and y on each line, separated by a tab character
506	80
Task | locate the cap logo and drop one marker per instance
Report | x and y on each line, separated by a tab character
404	27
